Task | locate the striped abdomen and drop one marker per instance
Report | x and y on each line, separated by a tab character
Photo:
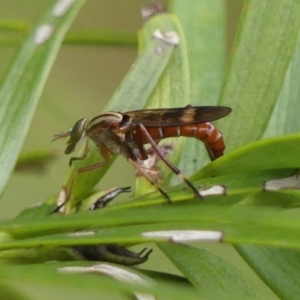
205	132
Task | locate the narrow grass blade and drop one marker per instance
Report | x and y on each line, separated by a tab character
285	118
278	268
263	47
212	276
273	153
22	86
202	24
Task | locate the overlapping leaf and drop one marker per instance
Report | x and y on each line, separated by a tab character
22	86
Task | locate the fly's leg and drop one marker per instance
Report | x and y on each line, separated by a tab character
136	165
146	134
76	173
105	155
83	170
85	151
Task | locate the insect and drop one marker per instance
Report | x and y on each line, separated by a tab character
127	133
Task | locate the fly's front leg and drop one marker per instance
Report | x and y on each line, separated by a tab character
85	151
83	170
68	190
146	134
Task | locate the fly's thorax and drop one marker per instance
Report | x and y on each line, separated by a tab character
109	120
114	142
106	129
110	130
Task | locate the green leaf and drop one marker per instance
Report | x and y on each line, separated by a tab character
52	277
278	268
273	153
36	161
14	25
244	223
213	277
22	86
263	48
285	118
10	293
202	24
79	37
93	281
101	38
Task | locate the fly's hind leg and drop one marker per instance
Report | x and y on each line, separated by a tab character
137	166
146	134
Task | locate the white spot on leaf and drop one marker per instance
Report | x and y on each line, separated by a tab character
292	182
186	235
123	275
61	7
118	273
140	296
43	33
61	199
214	190
82	233
170	37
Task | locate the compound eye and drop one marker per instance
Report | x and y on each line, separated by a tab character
77	132
70	148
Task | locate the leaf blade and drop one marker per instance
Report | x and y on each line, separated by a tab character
212	276
23	84
264	45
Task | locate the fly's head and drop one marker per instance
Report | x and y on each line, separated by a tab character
76	133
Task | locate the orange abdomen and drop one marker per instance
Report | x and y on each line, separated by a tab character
205	132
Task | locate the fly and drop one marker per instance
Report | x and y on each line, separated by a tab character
127	133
